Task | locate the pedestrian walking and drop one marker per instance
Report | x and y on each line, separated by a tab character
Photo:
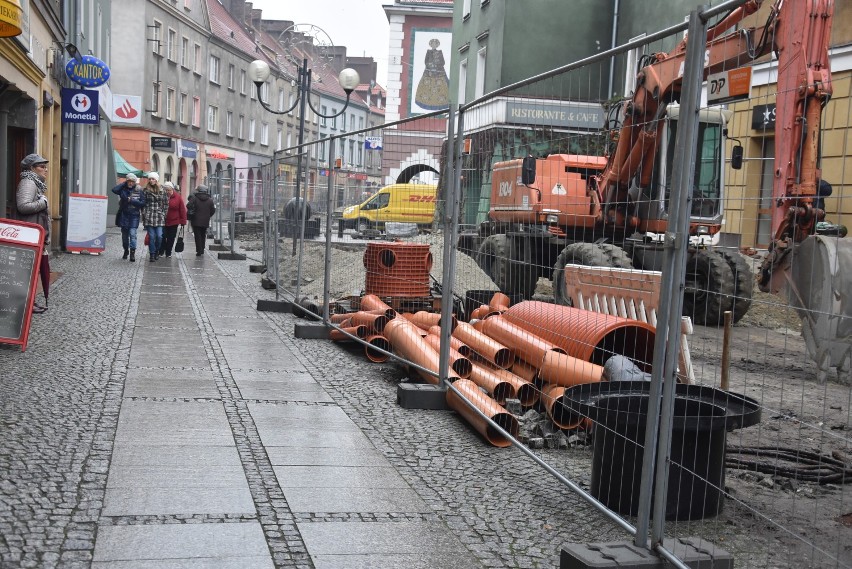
32	206
200	210
154	214
131	200
175	217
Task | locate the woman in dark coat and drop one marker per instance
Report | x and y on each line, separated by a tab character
131	200
200	210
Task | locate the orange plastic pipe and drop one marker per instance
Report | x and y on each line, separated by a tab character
338	318
379	342
524	370
406	340
373	322
527	345
587	335
525	391
488	407
426	320
373	302
496	386
567	371
554	404
482	345
460	364
500	302
345	334
455	343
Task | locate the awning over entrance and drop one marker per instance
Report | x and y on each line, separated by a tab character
123	167
11	18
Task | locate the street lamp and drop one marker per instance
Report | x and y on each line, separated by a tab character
258	73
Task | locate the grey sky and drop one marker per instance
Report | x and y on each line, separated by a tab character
360	25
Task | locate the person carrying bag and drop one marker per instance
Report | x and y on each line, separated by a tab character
179	241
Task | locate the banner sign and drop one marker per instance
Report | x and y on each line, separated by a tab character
87	215
187	149
80	106
91	72
20	254
373	143
162	143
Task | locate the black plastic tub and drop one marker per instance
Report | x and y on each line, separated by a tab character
702	417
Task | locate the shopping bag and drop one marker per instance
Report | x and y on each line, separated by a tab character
179	242
147	239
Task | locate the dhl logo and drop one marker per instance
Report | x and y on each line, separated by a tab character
419	198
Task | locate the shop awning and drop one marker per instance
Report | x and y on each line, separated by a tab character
123	167
11	18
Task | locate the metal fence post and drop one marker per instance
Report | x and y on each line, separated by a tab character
449	264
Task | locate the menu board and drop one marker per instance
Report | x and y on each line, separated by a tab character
87	216
20	252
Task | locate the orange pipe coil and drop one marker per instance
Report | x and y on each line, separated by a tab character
586	335
345	334
455	343
488	407
482	345
554	404
377	341
496	386
527	345
406	340
460	364
397	269
426	320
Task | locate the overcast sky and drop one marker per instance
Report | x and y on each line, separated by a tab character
360	25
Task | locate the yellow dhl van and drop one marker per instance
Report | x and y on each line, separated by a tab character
406	203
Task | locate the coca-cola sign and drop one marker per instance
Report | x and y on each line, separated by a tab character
9	232
19	232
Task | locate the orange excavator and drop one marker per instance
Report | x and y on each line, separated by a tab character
612	211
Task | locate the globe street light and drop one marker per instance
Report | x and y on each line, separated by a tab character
258	72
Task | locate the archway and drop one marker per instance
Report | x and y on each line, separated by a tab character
155	163
167	175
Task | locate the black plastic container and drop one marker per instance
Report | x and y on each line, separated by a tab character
702	417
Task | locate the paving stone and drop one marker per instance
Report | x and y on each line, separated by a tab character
172	500
347	500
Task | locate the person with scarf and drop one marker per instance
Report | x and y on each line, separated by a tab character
31	202
131	200
154	214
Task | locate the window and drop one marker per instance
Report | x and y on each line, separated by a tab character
360	155
231	73
264	92
155	100
229	124
342	149
240	127
462	81
184	52
334	119
281	94
323	111
290	140
279	140
351	150
351	121
171	45
466	10
264	134
343	121
196	112
214	69
170	103
183	111
196	63
479	90
212	118
243	81
187	4
360	123
251	130
322	148
290	100
763	236
157	38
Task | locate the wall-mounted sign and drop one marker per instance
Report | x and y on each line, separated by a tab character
730	85
162	143
763	117
216	153
80	106
187	149
91	72
576	115
373	142
127	109
11	19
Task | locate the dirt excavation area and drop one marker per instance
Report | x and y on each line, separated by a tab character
788	481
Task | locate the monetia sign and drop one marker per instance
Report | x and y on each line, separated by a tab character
80	106
91	72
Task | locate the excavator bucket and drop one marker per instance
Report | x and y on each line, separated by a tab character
817	287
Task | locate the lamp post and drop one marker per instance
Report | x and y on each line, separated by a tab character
258	73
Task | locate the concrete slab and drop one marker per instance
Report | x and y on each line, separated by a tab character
432	560
202	563
286	377
290	456
380	538
331	500
189	475
224	324
175	455
277	391
339	477
172	542
171	387
147	355
173	423
136	374
280	416
314	438
173	500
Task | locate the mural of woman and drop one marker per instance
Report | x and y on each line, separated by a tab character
433	89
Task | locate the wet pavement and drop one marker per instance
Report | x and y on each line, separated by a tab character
157	419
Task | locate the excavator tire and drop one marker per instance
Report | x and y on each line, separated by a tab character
709	288
591	255
743	283
495	256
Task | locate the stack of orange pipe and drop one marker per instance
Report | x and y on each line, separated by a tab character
484	346
407	341
525	391
455	343
426	320
397	269
552	396
458	363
